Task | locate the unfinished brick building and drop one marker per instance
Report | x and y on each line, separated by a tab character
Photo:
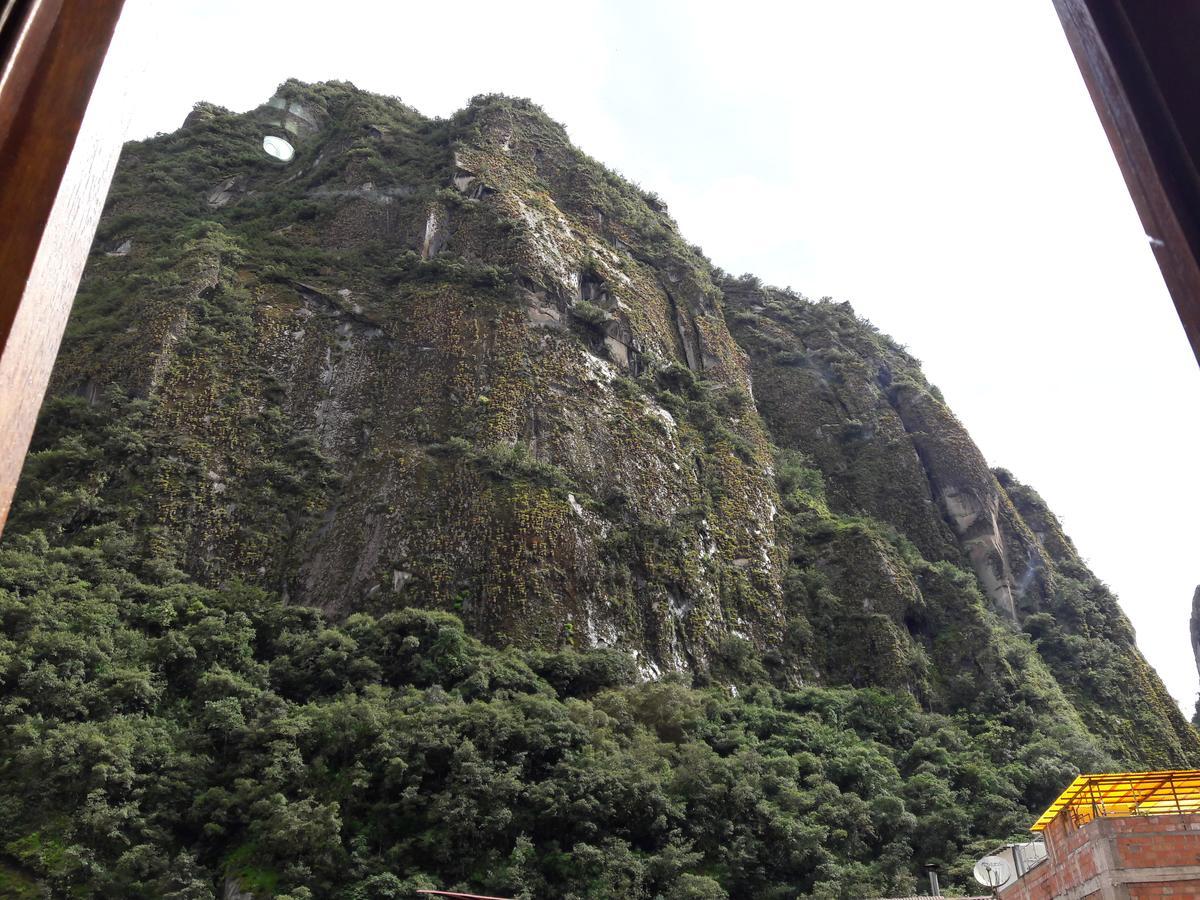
1118	837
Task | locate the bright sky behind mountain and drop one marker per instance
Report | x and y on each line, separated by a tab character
938	164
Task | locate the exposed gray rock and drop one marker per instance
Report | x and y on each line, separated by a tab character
295	118
1195	628
227	191
367	191
437	232
542	310
976	521
233	890
202	112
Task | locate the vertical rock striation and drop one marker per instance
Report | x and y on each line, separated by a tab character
1194	629
458	364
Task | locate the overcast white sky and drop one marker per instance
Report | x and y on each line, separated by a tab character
938	164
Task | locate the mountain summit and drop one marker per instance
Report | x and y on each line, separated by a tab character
429	371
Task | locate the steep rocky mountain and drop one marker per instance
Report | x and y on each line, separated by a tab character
1194	630
457	366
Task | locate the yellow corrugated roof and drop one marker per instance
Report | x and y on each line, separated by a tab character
1127	794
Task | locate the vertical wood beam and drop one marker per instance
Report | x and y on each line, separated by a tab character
56	162
1141	64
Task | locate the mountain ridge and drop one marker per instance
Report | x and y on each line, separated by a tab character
457	365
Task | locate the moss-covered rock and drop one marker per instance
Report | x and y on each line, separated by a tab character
458	364
897	463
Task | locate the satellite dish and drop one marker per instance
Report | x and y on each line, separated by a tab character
992	871
278	148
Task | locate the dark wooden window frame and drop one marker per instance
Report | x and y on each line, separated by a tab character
56	164
1140	60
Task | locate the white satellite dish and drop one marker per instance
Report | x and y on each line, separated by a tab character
278	148
992	871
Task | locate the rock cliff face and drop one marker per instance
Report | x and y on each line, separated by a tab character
457	364
1194	629
854	402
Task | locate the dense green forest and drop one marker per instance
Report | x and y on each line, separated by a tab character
159	734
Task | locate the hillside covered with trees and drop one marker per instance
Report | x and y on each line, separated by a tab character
424	511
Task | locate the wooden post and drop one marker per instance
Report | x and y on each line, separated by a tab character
1141	64
56	162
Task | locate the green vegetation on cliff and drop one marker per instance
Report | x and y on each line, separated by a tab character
427	512
160	736
833	387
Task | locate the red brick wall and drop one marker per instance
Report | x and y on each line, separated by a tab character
1176	889
1154	841
1039	884
1115	849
